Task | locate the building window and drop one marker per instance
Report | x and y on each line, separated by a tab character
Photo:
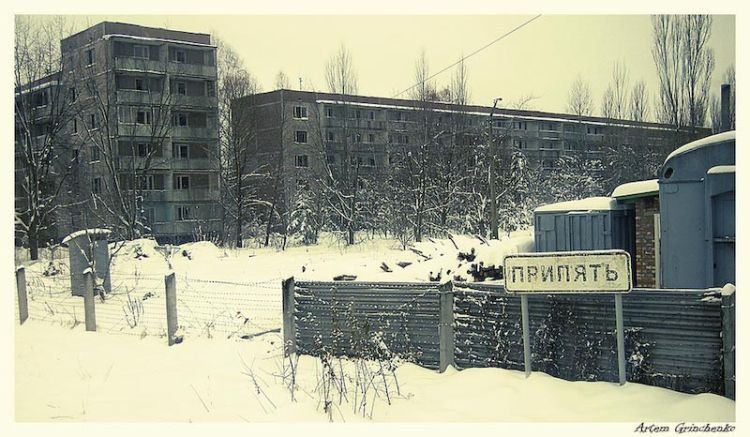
148	216
301	161
144	149
75	125
300	136
300	112
329	112
95	155
331	159
90	57
72	94
143	117
358	114
96	185
147	182
76	155
330	136
372	115
180	119
371	161
181	151
182	182
41	98
179	56
183	213
92	121
303	185
140	52
357	137
181	88
370	138
210	88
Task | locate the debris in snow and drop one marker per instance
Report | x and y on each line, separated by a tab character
147	295
345	278
52	269
436	278
471	256
420	253
479	272
179	335
482	239
459	278
385	268
186	254
139	254
403	264
450	237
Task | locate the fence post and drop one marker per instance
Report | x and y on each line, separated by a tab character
88	299
445	327
170	289
728	340
23	303
290	330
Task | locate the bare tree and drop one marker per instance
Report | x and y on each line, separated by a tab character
341	79
282	81
238	140
619	89
524	102
579	98
609	107
42	116
639	104
684	63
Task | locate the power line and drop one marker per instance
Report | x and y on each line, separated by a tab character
472	53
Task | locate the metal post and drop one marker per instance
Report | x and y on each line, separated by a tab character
23	304
728	343
287	302
525	327
445	327
493	201
88	299
620	339
170	288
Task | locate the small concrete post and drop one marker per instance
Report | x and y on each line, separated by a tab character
290	330
23	304
170	289
88	300
445	327
728	340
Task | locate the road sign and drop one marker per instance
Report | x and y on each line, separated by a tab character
598	271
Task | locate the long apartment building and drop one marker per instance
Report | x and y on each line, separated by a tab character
142	135
302	133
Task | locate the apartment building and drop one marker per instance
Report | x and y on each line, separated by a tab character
305	134
141	132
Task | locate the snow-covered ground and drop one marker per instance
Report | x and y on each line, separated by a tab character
230	366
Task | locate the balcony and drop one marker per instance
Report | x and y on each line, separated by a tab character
193	164
194	101
138	64
194	132
176	68
139	97
184	227
193	195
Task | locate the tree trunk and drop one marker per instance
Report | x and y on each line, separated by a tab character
33	246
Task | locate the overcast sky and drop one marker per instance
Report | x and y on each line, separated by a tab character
541	59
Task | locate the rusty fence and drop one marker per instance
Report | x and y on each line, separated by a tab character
677	339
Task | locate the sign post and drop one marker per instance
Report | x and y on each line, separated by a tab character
596	271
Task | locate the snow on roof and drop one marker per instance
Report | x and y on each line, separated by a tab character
93	232
719	169
704	142
638	188
588	204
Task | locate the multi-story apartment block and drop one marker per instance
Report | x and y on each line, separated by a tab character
143	131
309	133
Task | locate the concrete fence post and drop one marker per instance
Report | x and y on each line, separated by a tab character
445	327
170	290
89	306
23	303
290	330
728	340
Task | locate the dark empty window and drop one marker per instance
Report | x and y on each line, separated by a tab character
179	56
95	155
180	119
330	136
300	112
140	52
143	117
92	121
90	56
96	185
181	88
301	161
370	138
184	213
329	112
182	182
140	84
300	136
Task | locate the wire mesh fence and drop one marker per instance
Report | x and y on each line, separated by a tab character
135	305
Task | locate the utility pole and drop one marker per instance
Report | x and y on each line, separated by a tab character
493	200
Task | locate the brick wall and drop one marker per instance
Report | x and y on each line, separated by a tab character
645	258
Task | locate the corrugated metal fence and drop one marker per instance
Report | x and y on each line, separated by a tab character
673	337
